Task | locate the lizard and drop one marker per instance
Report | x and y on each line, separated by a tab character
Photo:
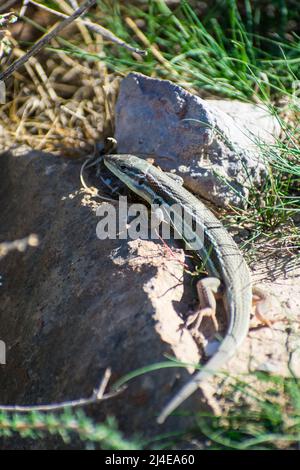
222	258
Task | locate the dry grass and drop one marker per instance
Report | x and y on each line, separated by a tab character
58	102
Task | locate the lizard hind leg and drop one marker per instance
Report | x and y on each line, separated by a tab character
262	304
207	290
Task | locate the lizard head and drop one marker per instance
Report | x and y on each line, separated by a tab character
138	174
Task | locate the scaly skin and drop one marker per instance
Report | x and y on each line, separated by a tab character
220	253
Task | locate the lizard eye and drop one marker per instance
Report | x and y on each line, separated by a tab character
141	180
123	167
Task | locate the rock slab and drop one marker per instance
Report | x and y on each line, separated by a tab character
216	153
75	305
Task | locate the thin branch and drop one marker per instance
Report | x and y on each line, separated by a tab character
105	33
154	49
24	8
20	245
7	5
46	39
74	4
97	396
7	18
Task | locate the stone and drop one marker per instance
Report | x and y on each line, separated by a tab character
74	305
216	154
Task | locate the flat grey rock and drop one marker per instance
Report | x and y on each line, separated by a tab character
215	153
75	305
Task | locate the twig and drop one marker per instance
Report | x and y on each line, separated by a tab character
7	18
97	395
154	49
169	250
91	190
24	8
105	33
45	40
20	245
7	5
74	4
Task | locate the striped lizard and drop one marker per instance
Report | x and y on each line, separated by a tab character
223	260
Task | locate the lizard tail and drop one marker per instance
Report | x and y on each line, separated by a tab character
224	353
